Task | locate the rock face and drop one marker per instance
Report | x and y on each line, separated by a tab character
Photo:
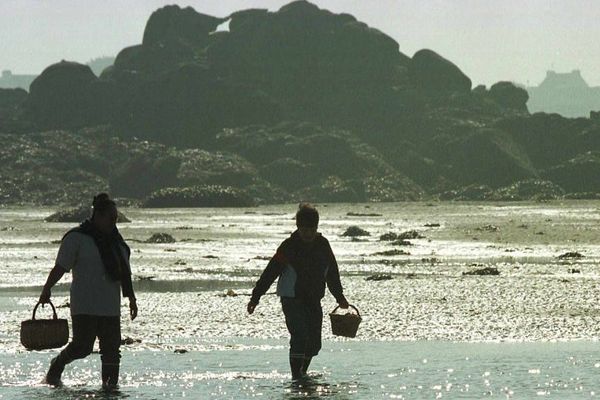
173	25
298	103
431	72
320	163
11	102
510	96
65	95
579	174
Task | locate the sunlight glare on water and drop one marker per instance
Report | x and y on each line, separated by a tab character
428	330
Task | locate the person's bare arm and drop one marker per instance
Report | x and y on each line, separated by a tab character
53	277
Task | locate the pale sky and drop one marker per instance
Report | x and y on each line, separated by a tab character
490	40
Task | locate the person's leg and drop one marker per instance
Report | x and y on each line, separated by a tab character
295	320
82	344
109	335
314	318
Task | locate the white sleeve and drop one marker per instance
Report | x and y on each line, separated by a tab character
68	251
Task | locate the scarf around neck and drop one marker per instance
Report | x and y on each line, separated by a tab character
110	248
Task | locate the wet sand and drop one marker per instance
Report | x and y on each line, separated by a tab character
538	300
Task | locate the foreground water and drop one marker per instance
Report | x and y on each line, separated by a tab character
428	332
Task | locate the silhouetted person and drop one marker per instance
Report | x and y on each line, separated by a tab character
304	264
98	258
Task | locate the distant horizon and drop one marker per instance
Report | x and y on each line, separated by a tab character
488	42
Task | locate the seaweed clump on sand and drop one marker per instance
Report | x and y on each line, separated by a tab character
160	237
483	271
355	231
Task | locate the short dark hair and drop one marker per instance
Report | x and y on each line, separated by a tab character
101	203
307	216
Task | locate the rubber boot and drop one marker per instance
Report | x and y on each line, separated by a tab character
305	365
110	376
57	366
296	367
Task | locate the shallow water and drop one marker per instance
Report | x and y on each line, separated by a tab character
429	332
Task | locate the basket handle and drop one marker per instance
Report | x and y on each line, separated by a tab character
349	305
37	305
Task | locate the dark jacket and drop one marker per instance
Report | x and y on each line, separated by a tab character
303	270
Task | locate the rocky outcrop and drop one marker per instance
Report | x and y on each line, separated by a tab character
172	24
509	96
298	103
529	190
66	95
11	103
355	231
199	196
579	174
433	73
485	157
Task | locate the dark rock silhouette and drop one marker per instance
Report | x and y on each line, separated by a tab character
11	102
571	254
354	231
298	103
160	237
65	95
483	271
171	24
432	72
509	95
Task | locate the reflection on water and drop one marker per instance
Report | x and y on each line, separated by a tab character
344	370
68	393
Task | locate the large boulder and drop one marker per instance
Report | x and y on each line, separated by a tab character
510	96
433	73
319	65
188	105
173	24
173	36
66	95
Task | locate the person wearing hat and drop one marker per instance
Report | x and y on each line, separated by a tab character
304	264
98	258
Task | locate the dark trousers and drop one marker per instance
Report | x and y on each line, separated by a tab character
86	328
304	321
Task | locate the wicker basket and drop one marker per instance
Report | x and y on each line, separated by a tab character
345	324
39	334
